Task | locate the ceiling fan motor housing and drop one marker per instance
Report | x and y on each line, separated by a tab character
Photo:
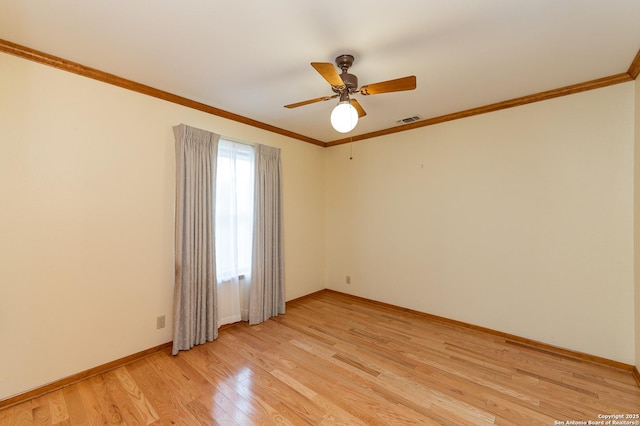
350	81
344	62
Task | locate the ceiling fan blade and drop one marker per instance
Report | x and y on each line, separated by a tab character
397	85
310	101
358	107
329	73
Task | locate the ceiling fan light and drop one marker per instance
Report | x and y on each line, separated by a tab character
344	117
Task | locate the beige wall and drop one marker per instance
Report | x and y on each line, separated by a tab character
86	220
519	221
637	221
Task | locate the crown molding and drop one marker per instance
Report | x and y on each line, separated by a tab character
634	68
76	68
523	100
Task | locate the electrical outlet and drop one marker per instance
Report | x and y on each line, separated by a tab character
348	279
160	322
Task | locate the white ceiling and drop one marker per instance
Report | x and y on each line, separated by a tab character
252	57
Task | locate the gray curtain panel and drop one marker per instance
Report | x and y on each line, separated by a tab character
195	280
266	298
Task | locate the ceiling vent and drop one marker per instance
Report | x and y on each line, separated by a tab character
408	120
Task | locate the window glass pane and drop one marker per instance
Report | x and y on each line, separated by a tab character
234	209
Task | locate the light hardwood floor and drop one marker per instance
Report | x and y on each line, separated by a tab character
334	359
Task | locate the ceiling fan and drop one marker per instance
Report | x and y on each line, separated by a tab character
345	115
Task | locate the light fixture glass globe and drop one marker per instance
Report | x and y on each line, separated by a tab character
344	117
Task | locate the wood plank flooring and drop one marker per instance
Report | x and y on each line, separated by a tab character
333	359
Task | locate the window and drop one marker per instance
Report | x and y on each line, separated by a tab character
234	210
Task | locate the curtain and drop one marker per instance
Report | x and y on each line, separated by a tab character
234	229
195	318
267	288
